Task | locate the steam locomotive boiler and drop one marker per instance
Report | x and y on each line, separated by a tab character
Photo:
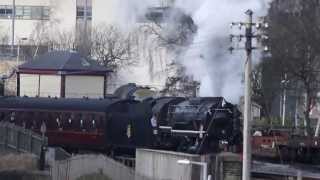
196	125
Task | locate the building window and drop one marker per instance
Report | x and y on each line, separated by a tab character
5	11
26	12
81	12
19	12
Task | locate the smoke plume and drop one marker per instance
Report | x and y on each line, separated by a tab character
208	58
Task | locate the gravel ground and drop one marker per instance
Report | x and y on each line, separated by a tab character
18	162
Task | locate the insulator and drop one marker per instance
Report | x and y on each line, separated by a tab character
231	37
258	25
231	49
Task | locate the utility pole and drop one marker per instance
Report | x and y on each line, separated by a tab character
248	36
85	20
246	175
13	17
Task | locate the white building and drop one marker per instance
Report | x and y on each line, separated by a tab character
35	17
38	21
60	15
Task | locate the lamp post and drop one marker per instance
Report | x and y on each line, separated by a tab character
202	164
284	83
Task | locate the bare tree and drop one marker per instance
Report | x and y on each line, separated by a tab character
173	30
112	48
181	84
172	26
64	40
294	37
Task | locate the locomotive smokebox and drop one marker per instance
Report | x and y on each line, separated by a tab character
202	124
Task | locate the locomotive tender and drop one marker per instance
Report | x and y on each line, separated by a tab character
195	125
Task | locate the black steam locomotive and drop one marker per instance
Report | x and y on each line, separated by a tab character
112	124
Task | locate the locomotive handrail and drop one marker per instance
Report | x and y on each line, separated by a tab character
169	128
216	109
208	128
181	131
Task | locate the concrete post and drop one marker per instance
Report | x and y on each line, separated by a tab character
246	166
299	175
18	141
205	171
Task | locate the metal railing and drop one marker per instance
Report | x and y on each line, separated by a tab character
17	139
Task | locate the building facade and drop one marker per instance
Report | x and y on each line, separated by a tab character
40	26
72	15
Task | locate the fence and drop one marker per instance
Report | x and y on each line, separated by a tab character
81	165
17	139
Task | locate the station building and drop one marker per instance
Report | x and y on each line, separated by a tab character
62	74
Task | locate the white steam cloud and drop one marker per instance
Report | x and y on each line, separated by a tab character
207	58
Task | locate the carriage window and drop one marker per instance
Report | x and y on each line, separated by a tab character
71	117
38	119
18	118
43	127
75	121
81	122
34	124
93	122
27	121
100	123
2	115
24	124
12	117
58	121
66	121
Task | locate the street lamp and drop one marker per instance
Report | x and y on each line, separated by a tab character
202	164
284	84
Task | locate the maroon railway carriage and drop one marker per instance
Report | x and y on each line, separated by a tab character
92	124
